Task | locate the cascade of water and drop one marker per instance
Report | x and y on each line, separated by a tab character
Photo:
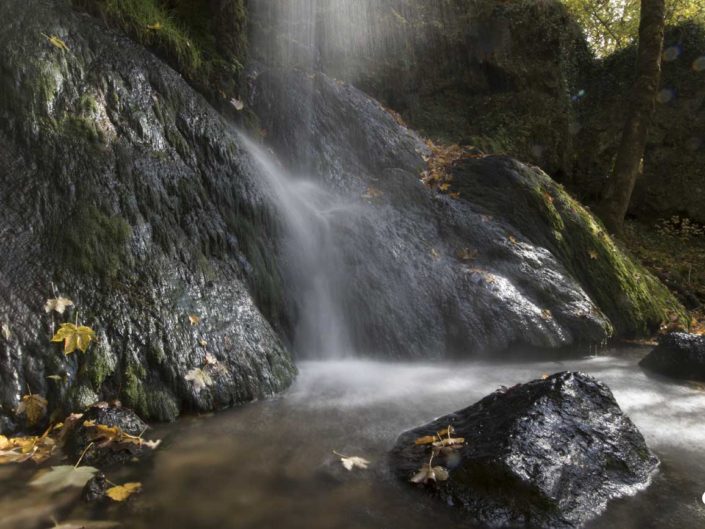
312	269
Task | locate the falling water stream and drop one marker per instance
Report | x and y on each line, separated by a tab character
271	465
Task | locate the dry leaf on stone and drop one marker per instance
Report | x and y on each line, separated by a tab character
64	476
122	492
426	440
449	441
74	337
428	473
59	305
201	380
237	104
56	42
194	320
34	407
5	330
112	436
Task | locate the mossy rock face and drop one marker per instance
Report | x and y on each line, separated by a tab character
673	182
635	302
205	40
124	190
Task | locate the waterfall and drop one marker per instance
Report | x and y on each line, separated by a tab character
312	266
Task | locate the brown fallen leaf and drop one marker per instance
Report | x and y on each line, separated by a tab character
112	436
194	320
34	407
426	440
449	441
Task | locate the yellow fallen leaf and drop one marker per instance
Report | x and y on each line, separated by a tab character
56	42
426	440
155	27
193	319
593	255
122	492
74	337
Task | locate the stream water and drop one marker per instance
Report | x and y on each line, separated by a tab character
271	464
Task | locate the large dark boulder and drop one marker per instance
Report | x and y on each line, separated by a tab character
508	260
678	355
121	188
548	453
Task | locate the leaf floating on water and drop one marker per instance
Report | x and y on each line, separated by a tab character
122	492
33	407
201	380
64	476
353	462
59	305
428	473
56	42
74	337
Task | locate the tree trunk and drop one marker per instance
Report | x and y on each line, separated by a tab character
618	191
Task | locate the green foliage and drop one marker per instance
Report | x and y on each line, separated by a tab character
611	25
186	33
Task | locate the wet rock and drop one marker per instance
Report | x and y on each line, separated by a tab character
509	261
678	355
96	488
134	199
548	453
80	437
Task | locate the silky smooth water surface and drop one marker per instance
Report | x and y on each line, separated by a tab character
270	464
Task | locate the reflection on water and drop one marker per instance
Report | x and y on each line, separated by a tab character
270	464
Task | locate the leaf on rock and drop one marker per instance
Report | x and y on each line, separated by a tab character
56	42
59	305
112	436
201	380
194	320
155	27
426	440
6	333
428	473
593	255
64	476
237	104
33	407
448	430
449	441
467	255
74	337
122	492
372	193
